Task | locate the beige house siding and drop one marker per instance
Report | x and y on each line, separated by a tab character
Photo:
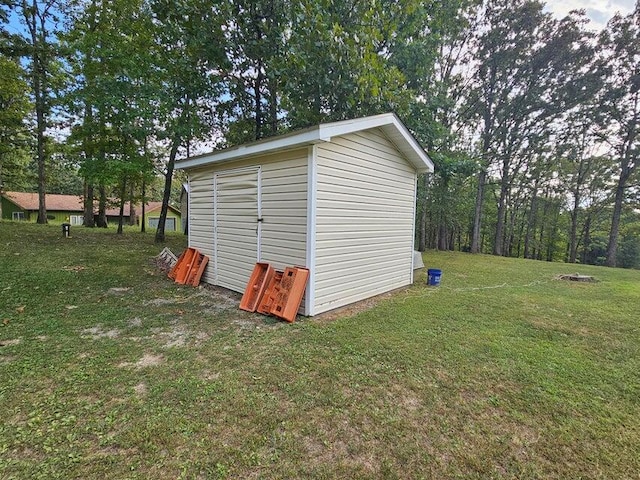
364	219
283	204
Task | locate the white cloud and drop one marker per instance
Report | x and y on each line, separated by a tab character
598	11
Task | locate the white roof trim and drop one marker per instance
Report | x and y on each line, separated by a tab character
388	122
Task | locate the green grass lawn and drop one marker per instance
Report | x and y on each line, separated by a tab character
109	370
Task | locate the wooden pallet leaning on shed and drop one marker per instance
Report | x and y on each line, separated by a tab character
189	268
260	278
282	291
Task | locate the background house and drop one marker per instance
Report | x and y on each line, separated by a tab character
69	209
173	222
338	198
60	208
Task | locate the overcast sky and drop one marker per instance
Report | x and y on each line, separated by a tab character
599	11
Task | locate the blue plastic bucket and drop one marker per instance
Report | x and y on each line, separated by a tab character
433	276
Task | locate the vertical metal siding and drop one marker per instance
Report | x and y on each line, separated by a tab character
283	208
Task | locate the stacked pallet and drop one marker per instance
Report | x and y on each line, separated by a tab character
275	293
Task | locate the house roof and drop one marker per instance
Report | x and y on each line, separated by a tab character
29	201
389	123
72	203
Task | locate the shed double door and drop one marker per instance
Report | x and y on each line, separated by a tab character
237	226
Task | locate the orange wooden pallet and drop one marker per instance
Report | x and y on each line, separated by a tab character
197	269
182	266
287	300
189	268
260	278
269	294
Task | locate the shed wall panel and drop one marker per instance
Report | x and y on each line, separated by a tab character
201	218
283	205
365	215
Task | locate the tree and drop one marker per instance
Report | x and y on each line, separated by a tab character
620	108
254	36
14	107
530	70
430	48
39	48
115	100
190	55
335	66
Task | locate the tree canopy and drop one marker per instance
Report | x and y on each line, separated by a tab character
531	120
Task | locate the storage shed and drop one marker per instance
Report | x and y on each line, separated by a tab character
337	198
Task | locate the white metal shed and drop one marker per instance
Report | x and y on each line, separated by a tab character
338	198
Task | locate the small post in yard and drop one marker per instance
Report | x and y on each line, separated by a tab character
66	230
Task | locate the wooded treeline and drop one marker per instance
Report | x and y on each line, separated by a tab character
532	121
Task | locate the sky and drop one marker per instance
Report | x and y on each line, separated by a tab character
598	11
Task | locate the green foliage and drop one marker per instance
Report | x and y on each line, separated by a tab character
14	137
335	67
628	254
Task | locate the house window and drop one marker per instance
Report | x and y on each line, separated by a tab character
169	224
76	219
17	216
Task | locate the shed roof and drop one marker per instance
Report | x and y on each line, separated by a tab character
389	123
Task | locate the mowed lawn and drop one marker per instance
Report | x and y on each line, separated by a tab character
109	370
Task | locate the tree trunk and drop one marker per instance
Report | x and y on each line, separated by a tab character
531	225
36	24
102	208
89	220
498	243
257	89
167	189
573	232
443	236
477	215
143	220
612	247
422	241
132	206
273	106
586	242
123	198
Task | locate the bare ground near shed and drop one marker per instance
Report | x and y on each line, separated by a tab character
110	370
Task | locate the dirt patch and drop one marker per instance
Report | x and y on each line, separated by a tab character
147	360
74	268
118	290
159	302
96	333
404	397
141	389
181	336
210	376
345	446
356	308
135	322
10	343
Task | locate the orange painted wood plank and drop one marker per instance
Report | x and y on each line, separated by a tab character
182	265
289	296
260	278
196	273
271	290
